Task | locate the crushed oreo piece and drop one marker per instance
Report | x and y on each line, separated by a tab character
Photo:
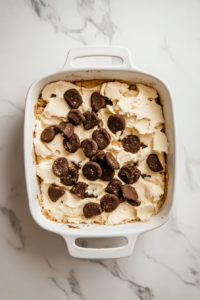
101	137
79	189
76	117
97	101
99	157
109	102
55	192
154	163
143	145
60	167
92	171
130	195
91	209
131	143
72	144
116	123
111	161
89	147
48	134
107	172
71	177
66	129
73	98
89	195
129	174
77	164
91	120
109	202
114	187
53	95
145	175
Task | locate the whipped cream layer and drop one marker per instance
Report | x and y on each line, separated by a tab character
144	118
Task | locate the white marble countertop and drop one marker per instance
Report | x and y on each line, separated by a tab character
164	39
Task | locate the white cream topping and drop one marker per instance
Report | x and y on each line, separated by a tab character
144	118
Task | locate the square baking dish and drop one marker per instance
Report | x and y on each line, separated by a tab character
125	71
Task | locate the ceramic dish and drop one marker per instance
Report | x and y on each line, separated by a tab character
125	71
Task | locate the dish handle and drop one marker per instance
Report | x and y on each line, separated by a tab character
104	253
87	51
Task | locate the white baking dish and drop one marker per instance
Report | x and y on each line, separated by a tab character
125	71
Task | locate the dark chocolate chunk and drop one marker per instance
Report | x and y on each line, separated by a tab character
92	171
55	192
131	143
88	195
143	145
89	147
53	96
73	98
111	161
99	157
116	123
77	164
72	144
66	129
91	209
109	202
145	175
60	167
76	117
154	163
79	189
71	177
97	101
114	187
130	195
91	120
48	134
101	137
107	172
129	174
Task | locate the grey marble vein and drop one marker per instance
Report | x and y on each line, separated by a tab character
166	48
91	12
15	223
11	103
74	284
58	286
143	293
172	271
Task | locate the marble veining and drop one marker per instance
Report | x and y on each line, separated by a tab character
163	38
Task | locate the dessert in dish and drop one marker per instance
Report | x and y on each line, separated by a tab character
101	152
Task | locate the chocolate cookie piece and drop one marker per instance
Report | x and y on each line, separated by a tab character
154	163
143	145
48	134
91	209
130	195
97	101
99	157
66	129
55	192
131	143
91	120
76	117
88	195
60	167
72	144
111	161
107	172
129	174
77	164
92	171
145	175
109	202
89	147
101	137
73	98
114	187
109	102
116	123
71	177
53	95
79	189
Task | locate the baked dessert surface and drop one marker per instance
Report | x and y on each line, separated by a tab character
101	152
